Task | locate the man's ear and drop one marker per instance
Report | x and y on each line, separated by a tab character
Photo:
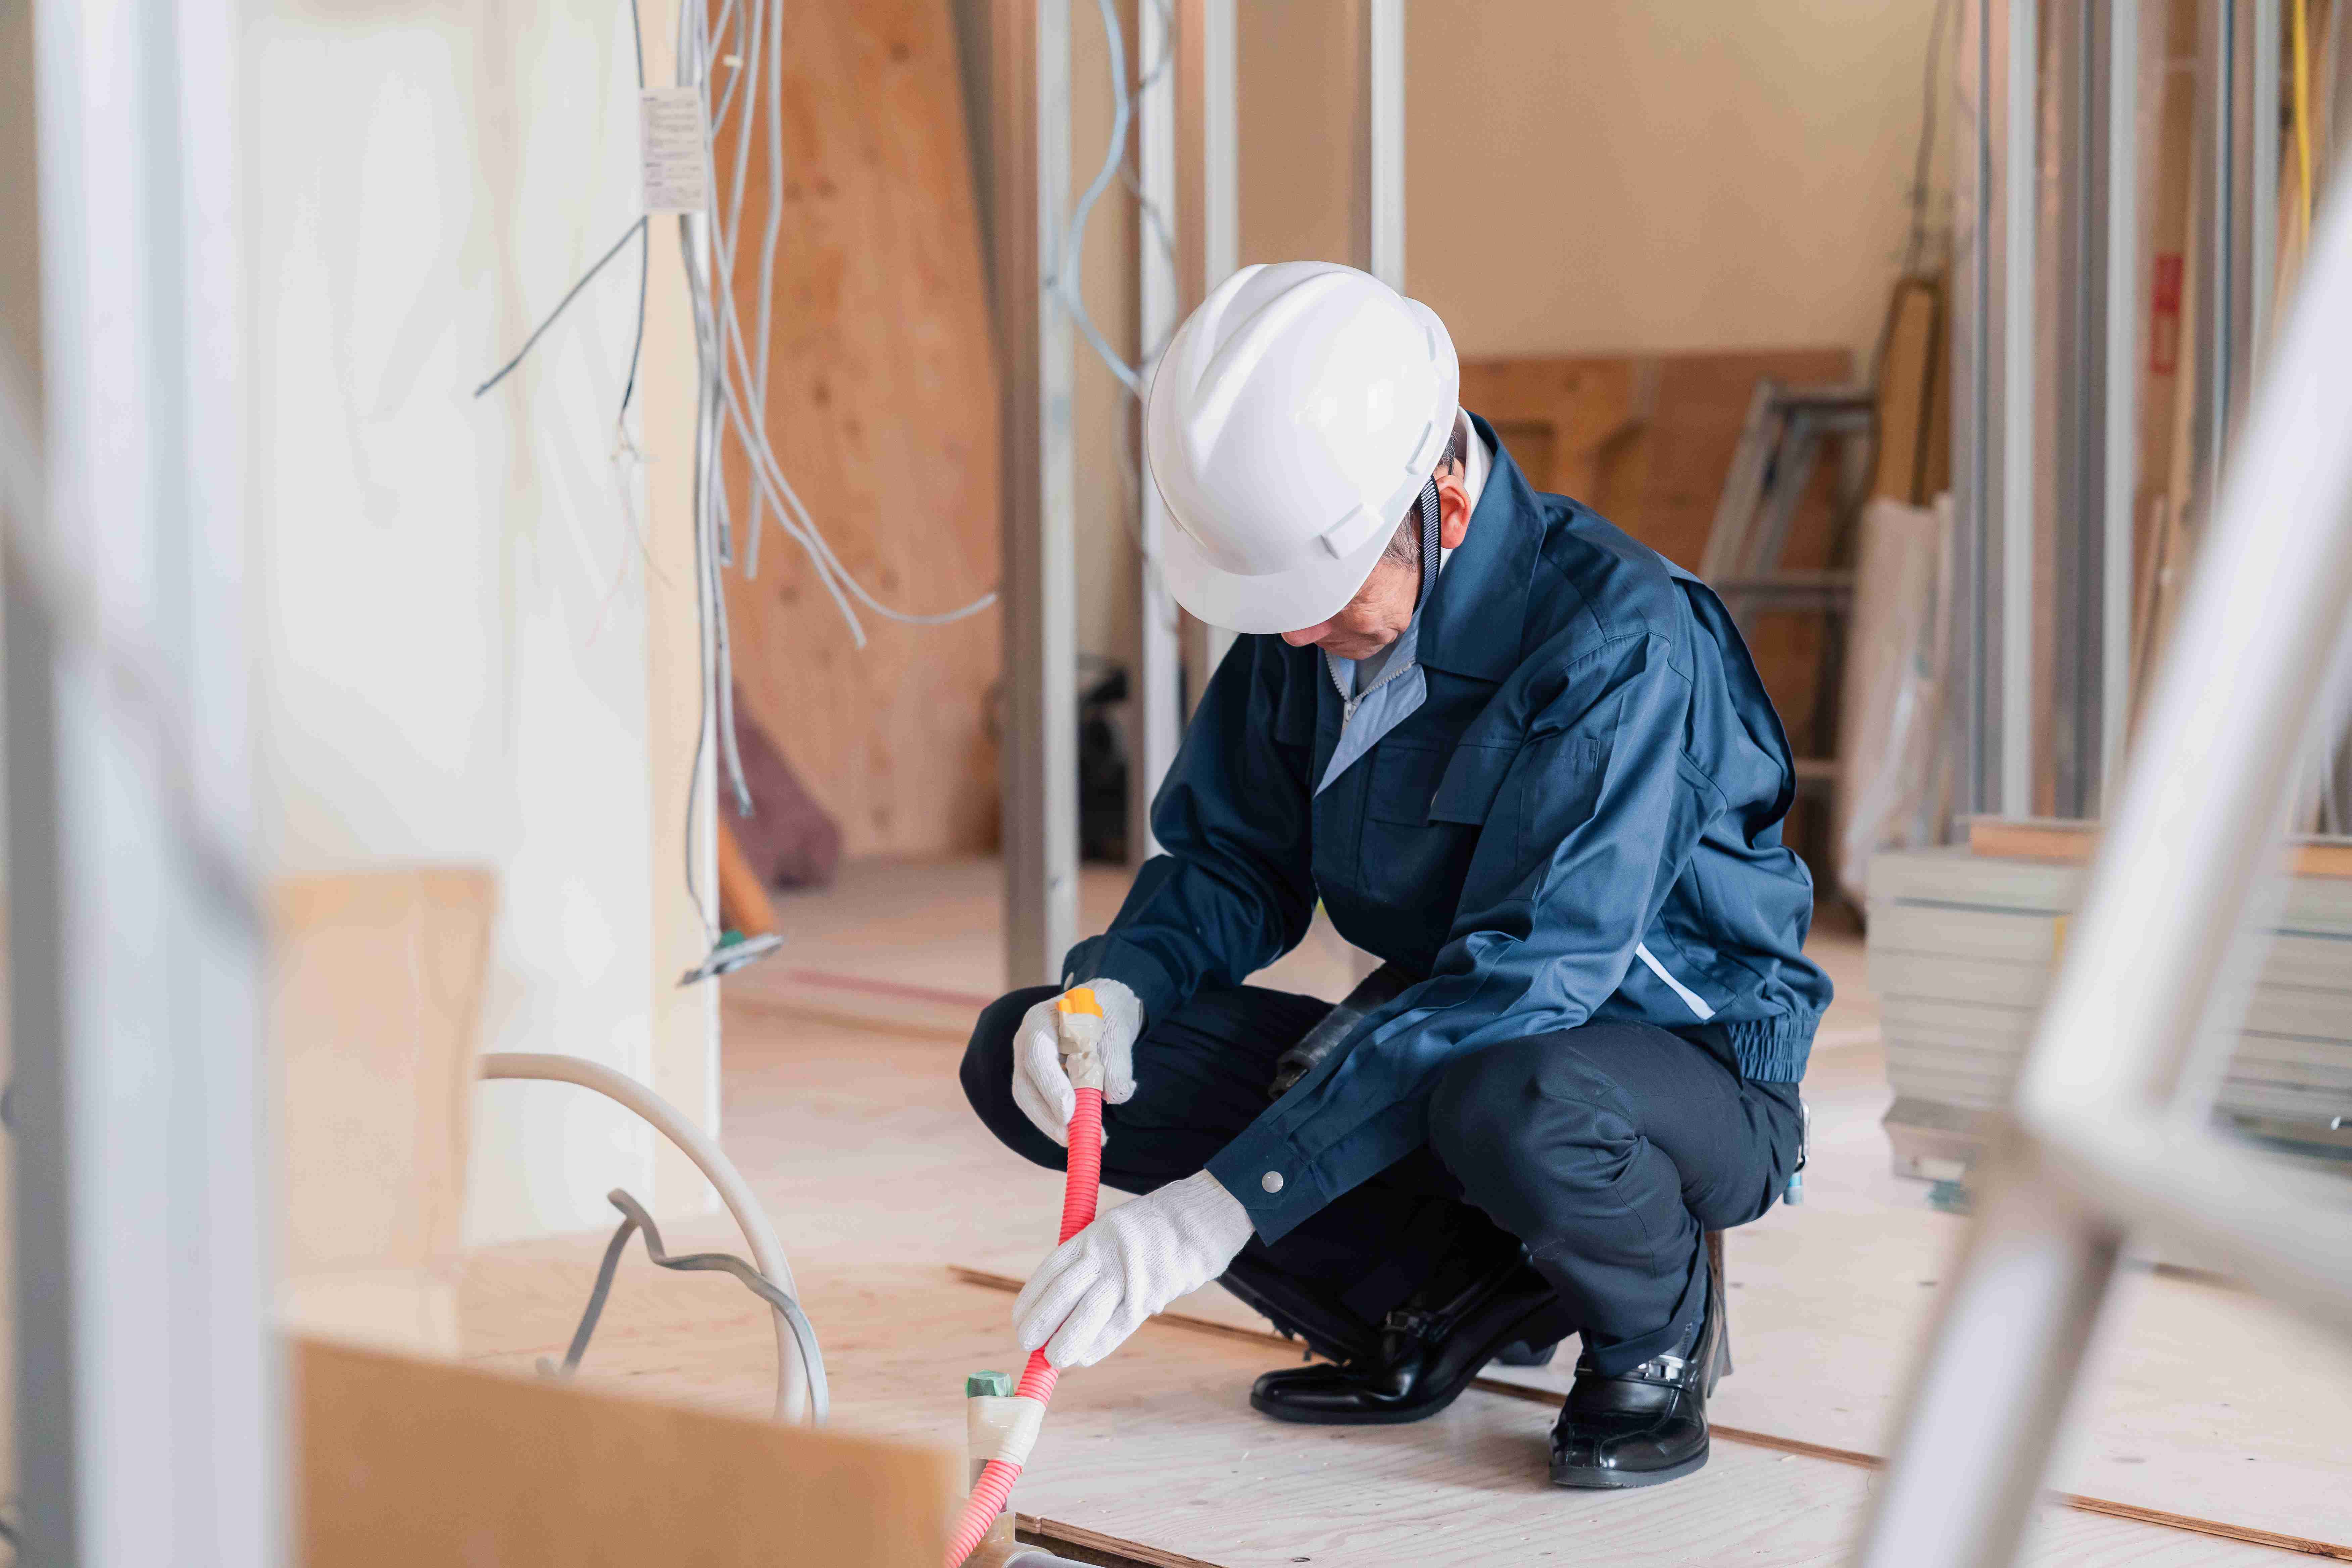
1452	508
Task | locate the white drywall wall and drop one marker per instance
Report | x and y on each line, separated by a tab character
457	628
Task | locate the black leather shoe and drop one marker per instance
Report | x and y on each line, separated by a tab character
1426	1356
1519	1352
1647	1425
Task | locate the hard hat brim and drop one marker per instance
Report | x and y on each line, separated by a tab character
1276	602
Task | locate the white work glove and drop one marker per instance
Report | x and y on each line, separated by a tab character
1041	1086
1097	1287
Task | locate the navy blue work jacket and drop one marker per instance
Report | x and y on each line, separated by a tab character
1581	821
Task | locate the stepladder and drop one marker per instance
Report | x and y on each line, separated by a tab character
1788	432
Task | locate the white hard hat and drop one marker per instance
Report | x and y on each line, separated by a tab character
1290	425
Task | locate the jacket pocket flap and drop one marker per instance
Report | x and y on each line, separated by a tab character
1403	780
1473	776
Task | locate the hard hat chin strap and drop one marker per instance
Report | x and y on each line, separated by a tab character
1429	540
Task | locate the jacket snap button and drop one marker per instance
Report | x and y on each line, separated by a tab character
1271	1181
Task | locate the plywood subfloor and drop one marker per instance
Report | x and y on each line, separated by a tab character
842	1107
1159	1445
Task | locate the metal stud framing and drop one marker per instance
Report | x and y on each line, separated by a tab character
1029	64
1379	210
2120	367
147	1391
2107	1131
1159	665
1213	96
2020	190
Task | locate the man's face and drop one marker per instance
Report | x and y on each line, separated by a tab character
1383	606
1374	618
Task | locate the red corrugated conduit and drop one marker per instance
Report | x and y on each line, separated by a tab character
1079	1194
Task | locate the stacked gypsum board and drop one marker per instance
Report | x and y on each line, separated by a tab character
1962	950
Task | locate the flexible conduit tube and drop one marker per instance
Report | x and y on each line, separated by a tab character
792	1378
1080	1190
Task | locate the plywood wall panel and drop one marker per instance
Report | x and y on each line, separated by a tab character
883	410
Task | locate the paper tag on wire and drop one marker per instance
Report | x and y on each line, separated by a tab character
670	126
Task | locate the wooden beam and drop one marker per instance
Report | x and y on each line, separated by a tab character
1079	1544
743	901
1906	374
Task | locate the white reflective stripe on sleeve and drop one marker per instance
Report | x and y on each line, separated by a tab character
1002	1426
1691	998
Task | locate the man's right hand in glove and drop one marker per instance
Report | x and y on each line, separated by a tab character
1041	1086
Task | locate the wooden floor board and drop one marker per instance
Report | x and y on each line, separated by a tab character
1524	1386
1159	1445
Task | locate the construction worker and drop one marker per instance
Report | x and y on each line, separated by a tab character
1526	761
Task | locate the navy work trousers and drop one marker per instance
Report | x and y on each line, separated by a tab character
1607	1150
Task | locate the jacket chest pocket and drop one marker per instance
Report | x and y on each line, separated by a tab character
1474	776
1414	788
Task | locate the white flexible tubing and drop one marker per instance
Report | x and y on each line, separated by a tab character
791	1379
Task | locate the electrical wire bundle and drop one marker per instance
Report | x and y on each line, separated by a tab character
1066	285
734	61
744	41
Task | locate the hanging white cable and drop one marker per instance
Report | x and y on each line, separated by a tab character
723	359
718	333
722	406
1067	284
805	533
768	243
722	676
736	371
744	77
710	516
1160	234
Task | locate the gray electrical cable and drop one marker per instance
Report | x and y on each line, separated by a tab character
644	244
549	319
633	1218
794	1376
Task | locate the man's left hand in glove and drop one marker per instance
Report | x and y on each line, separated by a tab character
1097	1287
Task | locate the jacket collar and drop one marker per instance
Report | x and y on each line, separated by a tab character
1473	622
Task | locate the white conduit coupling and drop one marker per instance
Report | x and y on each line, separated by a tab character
792	1381
1002	1426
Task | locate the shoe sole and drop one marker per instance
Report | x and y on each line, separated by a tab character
1597	1479
1297	1417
